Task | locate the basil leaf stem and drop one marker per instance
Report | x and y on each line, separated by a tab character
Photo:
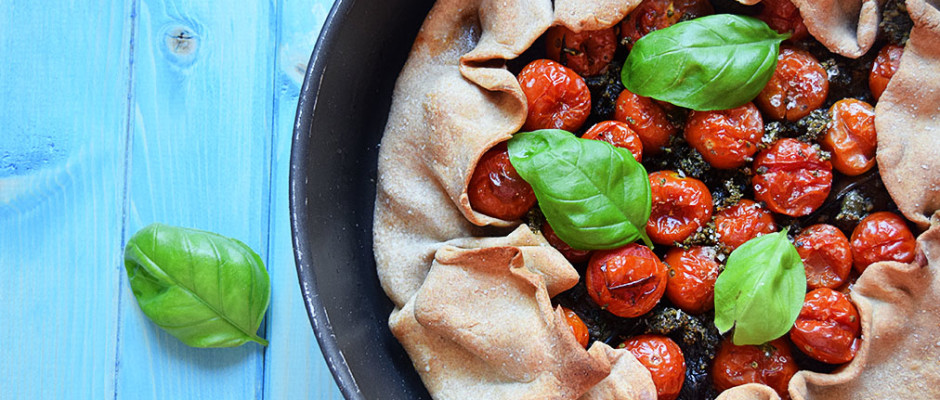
595	195
761	291
711	63
206	289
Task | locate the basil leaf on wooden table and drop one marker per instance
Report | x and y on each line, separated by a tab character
761	291
594	195
206	289
711	63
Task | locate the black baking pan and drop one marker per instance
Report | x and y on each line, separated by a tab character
341	115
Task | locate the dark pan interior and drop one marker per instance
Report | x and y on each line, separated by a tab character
343	107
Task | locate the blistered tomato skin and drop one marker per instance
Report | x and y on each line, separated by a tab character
618	134
851	137
557	97
663	358
798	86
496	189
792	178
782	16
572	255
742	222
680	206
828	327
886	64
771	364
646	118
627	281
651	15
826	255
728	138
588	52
578	328
882	236
691	278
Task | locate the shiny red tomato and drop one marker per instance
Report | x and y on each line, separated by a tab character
627	281
826	255
728	138
882	236
742	222
573	255
588	52
663	358
886	64
798	86
828	327
680	206
782	16
771	364
578	328
651	15
496	189
618	134
851	137
646	118
792	177
692	275
557	97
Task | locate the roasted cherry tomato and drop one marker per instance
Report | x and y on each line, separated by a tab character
496	189
573	255
692	275
742	222
680	206
728	138
792	178
826	255
651	15
578	328
798	86
782	16
771	364
882	236
646	118
588	53
663	358
558	98
828	327
886	64
627	281
618	134
851	137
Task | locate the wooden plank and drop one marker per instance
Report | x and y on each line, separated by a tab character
294	366
200	157
64	84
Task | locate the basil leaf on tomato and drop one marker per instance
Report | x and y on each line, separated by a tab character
206	289
711	63
761	291
594	195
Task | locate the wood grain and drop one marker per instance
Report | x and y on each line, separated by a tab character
118	114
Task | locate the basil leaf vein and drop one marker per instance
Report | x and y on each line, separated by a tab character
711	63
205	289
761	291
595	196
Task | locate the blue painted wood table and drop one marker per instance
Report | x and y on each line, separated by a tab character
117	114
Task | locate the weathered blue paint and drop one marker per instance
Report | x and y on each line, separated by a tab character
116	114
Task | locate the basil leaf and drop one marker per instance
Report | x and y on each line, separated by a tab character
206	289
761	290
595	196
711	63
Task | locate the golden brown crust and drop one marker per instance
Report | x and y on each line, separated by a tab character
579	15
